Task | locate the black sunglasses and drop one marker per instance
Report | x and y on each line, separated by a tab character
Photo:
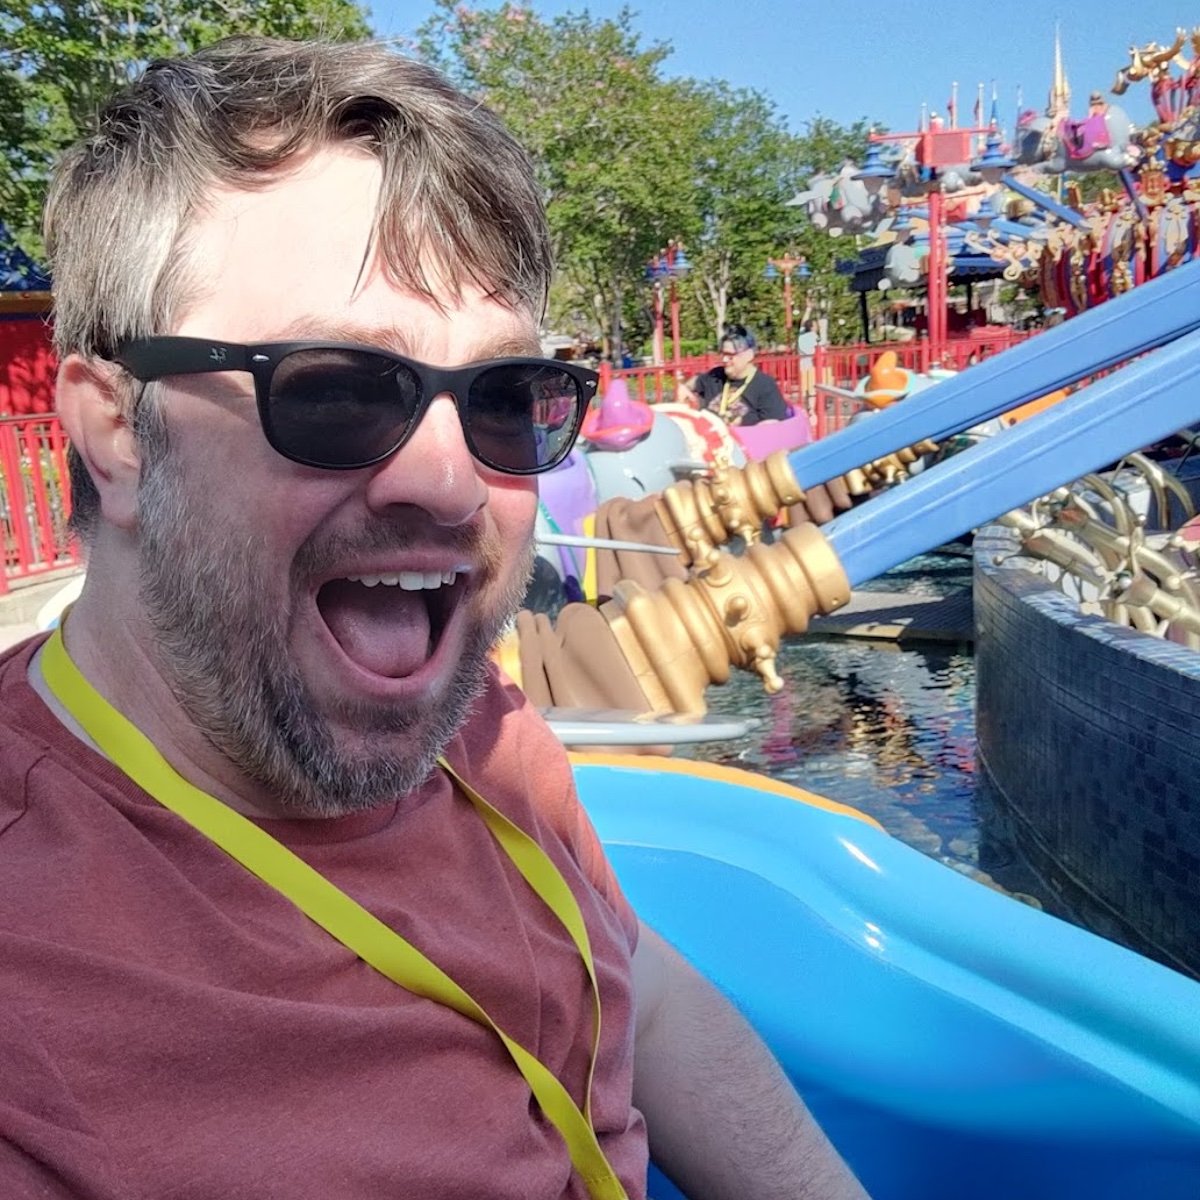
342	407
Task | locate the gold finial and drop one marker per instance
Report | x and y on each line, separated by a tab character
1060	94
687	635
701	514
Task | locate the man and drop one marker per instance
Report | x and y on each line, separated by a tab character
737	391
806	348
273	697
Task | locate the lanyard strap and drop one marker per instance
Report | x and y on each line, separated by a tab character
351	924
727	400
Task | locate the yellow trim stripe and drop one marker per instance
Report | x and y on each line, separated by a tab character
589	581
719	774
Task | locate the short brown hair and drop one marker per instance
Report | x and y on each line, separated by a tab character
458	191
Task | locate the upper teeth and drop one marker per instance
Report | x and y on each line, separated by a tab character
410	581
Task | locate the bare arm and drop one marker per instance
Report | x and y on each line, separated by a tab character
685	391
724	1121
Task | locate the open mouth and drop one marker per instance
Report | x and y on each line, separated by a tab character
390	624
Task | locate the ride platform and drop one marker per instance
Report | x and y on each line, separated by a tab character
901	617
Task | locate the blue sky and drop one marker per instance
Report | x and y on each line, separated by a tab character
882	60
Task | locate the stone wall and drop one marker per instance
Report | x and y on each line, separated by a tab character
1090	734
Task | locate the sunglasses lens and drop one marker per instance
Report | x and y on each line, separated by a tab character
523	417
339	408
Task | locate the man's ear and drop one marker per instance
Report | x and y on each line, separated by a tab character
91	401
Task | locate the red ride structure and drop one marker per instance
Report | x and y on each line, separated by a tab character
935	148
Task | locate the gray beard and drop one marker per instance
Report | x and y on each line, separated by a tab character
225	652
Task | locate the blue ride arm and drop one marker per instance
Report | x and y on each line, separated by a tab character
1139	404
1148	316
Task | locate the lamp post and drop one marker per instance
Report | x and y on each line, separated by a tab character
786	266
669	264
654	275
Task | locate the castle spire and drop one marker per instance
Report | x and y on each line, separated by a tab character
1060	93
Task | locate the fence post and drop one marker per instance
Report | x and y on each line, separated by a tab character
17	535
32	440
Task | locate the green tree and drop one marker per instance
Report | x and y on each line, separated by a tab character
823	147
613	142
630	161
749	166
59	62
754	165
825	144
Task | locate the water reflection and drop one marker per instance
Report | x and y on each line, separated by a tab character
890	730
886	729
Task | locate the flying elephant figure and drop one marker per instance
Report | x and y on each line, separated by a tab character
840	204
1101	141
903	267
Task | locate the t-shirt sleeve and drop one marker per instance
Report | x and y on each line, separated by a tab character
768	402
708	388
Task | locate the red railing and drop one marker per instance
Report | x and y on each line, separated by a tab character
35	499
806	382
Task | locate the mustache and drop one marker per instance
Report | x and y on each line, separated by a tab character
398	532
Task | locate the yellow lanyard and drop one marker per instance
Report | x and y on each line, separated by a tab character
728	401
376	944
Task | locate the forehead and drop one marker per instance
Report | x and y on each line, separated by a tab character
295	259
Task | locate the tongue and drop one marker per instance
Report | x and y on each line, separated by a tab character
383	629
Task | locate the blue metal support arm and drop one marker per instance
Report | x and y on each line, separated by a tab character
1046	203
1143	402
1145	317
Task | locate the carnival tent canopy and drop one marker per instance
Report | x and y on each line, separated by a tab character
18	272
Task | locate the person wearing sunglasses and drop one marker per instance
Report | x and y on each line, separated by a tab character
298	899
737	390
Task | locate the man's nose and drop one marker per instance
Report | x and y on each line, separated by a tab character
433	470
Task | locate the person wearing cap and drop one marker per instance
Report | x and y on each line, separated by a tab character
737	391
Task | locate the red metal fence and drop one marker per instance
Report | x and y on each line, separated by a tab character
656	385
804	382
35	500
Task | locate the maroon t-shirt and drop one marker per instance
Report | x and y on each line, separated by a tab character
170	1027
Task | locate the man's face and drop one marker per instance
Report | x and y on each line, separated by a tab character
736	362
326	630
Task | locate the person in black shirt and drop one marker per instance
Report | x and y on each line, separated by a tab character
737	391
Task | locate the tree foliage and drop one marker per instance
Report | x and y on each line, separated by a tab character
628	159
825	145
631	160
748	169
612	141
59	62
